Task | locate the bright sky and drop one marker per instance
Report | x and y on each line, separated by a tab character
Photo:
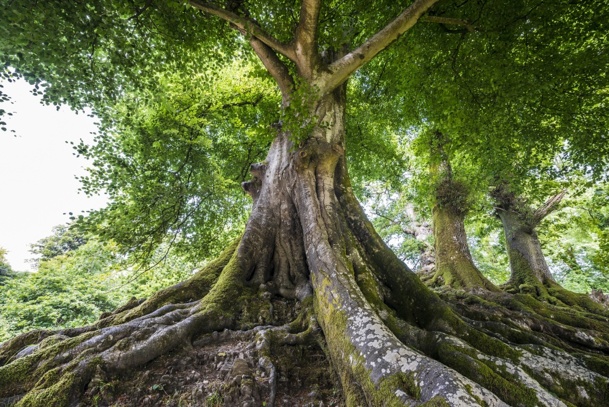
37	171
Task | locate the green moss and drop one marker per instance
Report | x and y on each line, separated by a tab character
38	370
597	365
334	324
16	344
15	376
56	395
402	381
528	289
437	401
52	340
465	361
454	265
358	387
470	391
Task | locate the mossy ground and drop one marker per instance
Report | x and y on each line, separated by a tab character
216	371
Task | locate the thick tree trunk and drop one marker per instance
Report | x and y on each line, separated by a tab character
530	273
529	270
454	264
351	290
390	339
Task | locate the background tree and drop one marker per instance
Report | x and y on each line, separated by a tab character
451	202
75	287
64	239
574	240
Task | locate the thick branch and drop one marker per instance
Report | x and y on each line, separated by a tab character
449	21
278	70
549	206
306	37
245	25
340	70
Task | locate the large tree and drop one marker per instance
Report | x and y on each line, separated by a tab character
307	247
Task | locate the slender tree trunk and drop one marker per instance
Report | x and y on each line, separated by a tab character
529	270
527	262
454	264
422	231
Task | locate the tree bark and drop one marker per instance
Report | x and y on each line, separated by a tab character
454	264
529	270
422	232
527	262
389	338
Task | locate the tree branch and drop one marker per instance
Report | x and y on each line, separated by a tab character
549	206
340	70
305	45
278	70
449	21
245	25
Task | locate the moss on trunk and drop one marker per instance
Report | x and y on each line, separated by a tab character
454	264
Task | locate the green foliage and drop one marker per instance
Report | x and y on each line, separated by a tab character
89	53
65	238
486	241
520	121
5	267
172	161
394	224
74	288
575	240
375	140
67	291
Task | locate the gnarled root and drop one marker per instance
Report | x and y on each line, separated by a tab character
56	369
263	365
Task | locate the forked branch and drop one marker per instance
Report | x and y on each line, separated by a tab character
305	46
340	70
245	25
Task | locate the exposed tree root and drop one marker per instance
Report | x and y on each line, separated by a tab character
195	287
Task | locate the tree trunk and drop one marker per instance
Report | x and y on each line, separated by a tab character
529	271
309	246
454	264
527	262
422	232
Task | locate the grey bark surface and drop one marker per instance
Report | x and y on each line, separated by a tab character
527	261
